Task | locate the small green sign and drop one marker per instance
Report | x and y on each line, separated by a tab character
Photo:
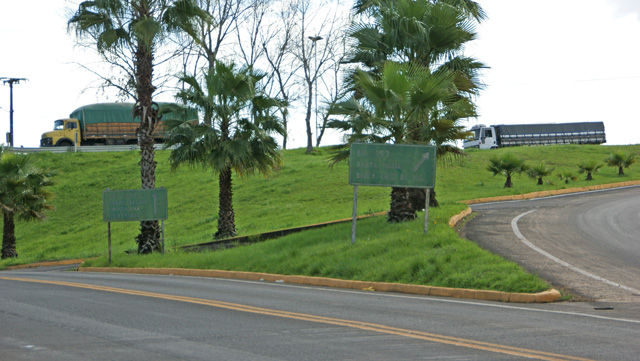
392	165
135	205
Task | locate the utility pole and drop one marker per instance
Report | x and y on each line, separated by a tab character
11	81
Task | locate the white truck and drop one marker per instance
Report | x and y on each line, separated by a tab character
497	136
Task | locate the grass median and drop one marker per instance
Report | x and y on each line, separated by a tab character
304	191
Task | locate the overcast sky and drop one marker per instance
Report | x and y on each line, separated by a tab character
550	61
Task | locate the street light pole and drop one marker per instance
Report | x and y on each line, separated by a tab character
11	81
315	59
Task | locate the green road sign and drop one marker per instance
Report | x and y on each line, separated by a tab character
392	165
135	205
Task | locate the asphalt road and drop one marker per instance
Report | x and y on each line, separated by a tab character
587	243
56	315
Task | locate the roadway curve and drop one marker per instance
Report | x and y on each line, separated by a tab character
586	243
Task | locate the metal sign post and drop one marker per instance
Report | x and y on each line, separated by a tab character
134	205
427	194
355	207
392	165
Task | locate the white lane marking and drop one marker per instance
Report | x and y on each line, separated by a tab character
516	230
431	299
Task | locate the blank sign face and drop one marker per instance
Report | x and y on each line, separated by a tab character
392	165
135	205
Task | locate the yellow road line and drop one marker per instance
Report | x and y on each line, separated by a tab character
478	345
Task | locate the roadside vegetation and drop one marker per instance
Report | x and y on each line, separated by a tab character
303	191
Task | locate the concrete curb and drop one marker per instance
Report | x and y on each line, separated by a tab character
49	263
458	217
541	297
556	192
453	221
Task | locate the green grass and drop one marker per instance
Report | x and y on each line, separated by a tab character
304	191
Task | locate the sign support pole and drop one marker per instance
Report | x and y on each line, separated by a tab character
355	203
109	235
162	223
426	209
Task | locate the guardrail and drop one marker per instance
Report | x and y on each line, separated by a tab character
85	149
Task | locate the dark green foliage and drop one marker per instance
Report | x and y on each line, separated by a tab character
236	136
507	165
620	160
589	167
540	171
24	194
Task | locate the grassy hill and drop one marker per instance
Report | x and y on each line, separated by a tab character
304	191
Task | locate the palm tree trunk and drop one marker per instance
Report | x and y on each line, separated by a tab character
400	208
149	239
9	236
226	215
418	198
508	183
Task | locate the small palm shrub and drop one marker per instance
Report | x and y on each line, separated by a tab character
506	165
540	171
621	160
589	167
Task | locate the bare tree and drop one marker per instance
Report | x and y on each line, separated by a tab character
208	39
332	90
318	25
251	31
277	43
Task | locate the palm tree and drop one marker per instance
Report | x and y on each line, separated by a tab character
621	160
23	194
540	171
589	167
567	176
426	34
431	33
137	28
239	137
506	165
391	110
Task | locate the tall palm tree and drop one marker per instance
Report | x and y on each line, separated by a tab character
428	34
23	194
391	109
621	160
431	33
137	28
507	165
239	138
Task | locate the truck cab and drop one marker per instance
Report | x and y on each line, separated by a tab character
66	132
483	137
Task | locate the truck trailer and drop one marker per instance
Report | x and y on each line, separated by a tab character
104	124
497	136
